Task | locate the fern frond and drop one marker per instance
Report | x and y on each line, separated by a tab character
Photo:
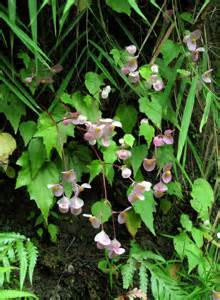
32	258
23	262
165	288
9	237
14	294
6	264
143	277
128	273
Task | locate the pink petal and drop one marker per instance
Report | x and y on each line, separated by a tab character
125	172
149	164
102	238
57	189
131	49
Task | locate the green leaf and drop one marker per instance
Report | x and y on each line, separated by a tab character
175	189
137	157
86	105
83	4
152	109
109	153
203	198
47	129
185	247
27	130
145	208
39	191
66	9
187	114
197	235
170	51
132	222
145	71
165	206
7	146
24	175
8	103
129	139
206	110
186	222
127	114
53	231
102	210
37	155
94	168
147	131
164	155
109	173
93	82
121	6
15	294
135	7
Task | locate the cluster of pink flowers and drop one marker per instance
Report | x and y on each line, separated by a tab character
131	66
155	80
191	42
164	139
160	188
73	204
100	130
103	241
138	190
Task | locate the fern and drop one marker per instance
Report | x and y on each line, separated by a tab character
128	272
143	278
16	249
23	262
32	258
14	294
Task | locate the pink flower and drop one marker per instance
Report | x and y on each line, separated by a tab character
159	189
125	172
206	76
76	205
105	92
69	176
158	85
195	54
134	77
138	191
57	189
102	240
122	215
131	49
64	204
131	65
115	249
191	39
167	175
93	220
149	164
94	132
75	119
168	137
123	154
28	79
158	141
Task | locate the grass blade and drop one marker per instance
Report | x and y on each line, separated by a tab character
187	114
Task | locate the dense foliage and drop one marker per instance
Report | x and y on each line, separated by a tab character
122	95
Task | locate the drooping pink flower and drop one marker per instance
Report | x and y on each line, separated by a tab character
167	175
206	76
154	68
158	141
64	204
159	189
115	249
69	176
123	154
195	54
94	132
131	49
93	220
131	65
122	215
158	85
102	240
105	92
191	39
138	191
108	128
57	189
134	77
168	137
149	164
125	172
76	205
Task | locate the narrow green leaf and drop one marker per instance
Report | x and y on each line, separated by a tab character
66	9
14	294
206	110
187	114
121	6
